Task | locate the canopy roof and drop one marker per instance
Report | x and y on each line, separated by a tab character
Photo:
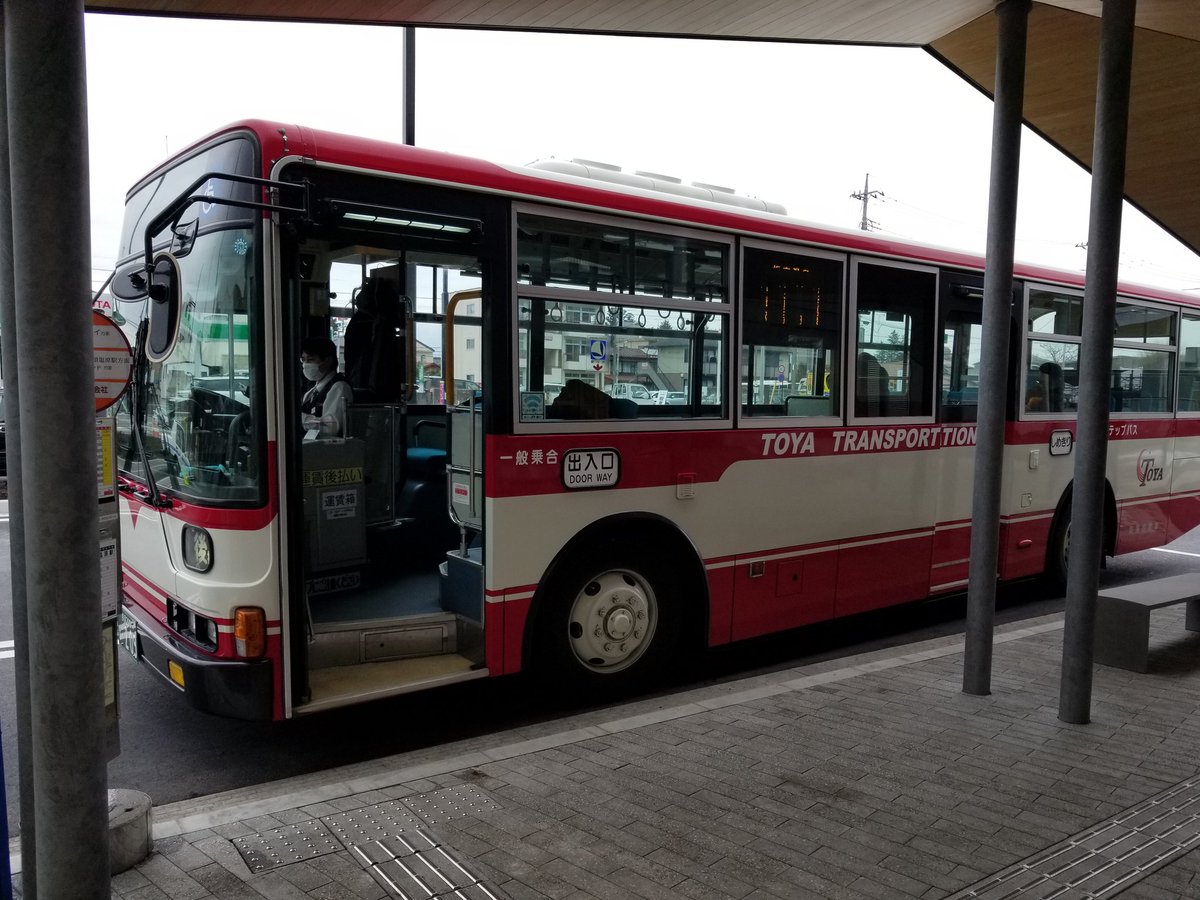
1163	174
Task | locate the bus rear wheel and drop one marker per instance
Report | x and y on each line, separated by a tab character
611	630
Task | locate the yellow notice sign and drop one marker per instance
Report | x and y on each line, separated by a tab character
106	469
329	477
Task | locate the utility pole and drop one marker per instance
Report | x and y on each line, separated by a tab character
410	85
865	196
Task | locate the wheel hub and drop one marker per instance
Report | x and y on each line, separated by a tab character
612	621
619	623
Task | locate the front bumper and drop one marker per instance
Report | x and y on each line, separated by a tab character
240	689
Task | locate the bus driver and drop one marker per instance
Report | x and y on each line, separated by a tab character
327	401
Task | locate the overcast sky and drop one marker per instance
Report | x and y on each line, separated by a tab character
800	125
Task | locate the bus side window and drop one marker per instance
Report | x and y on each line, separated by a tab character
895	335
1189	364
791	332
961	342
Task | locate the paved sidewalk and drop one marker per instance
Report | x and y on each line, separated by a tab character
868	777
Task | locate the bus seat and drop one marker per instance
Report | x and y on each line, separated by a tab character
800	405
427	461
375	343
1053	386
622	408
422	496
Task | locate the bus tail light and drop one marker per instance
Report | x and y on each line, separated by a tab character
250	631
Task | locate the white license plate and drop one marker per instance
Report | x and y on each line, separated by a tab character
127	635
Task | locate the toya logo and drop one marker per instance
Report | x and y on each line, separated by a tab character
1147	468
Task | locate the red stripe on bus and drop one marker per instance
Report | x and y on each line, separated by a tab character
219	518
1119	429
524	465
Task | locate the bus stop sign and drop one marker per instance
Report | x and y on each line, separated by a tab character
112	360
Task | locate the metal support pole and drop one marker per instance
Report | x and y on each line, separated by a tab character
1012	26
16	521
47	128
410	85
1095	358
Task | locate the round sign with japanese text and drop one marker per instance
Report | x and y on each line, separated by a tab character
112	360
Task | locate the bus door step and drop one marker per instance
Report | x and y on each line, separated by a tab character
353	643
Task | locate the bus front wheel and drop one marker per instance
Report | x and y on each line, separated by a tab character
1058	549
610	628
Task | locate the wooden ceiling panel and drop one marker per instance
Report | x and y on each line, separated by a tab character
912	22
1163	156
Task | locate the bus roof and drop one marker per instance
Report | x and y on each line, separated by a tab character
280	140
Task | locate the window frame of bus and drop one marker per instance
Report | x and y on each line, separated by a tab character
1186	314
140	207
1170	350
931	324
1029	336
723	308
838	396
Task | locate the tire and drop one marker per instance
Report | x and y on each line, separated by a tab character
1058	549
607	629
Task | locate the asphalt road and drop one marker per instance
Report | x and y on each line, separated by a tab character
172	752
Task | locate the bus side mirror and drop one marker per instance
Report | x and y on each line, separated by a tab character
164	290
129	281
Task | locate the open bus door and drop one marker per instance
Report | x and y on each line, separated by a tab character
387	602
463	568
466	436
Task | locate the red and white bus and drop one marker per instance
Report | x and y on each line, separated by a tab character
680	419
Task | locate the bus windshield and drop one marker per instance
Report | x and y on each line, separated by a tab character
196	409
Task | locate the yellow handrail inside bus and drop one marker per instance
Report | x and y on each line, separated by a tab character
448	339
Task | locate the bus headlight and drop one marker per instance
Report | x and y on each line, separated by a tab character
197	549
249	631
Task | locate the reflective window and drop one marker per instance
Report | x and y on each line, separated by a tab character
1144	324
1055	326
962	340
601	361
791	332
1052	377
200	413
619	322
1141	380
894	359
610	259
1189	364
236	155
1055	312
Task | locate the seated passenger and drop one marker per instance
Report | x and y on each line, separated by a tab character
579	400
1046	389
325	405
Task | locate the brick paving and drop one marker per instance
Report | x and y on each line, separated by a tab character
868	777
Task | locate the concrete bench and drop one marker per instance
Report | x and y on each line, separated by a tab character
1123	617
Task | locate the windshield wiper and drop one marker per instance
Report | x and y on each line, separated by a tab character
137	415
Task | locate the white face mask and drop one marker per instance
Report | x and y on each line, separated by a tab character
312	371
